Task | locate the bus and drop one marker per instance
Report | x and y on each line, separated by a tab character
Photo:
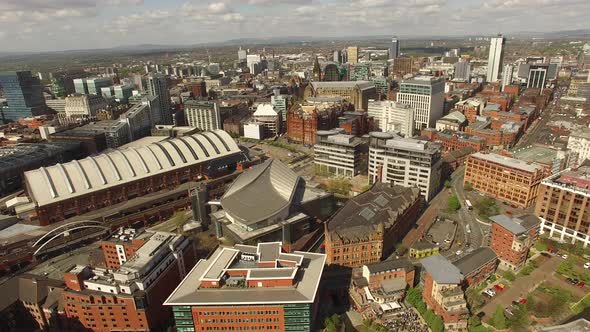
468	203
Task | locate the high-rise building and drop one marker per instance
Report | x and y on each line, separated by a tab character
92	85
495	57
426	95
122	92
338	154
24	95
253	63
563	205
158	86
537	75
138	120
280	103
338	56
392	116
353	54
507	76
406	162
270	118
250	288
462	71
204	115
242	55
394	49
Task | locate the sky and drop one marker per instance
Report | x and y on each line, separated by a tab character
49	25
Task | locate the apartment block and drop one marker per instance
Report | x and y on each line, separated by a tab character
512	238
477	266
250	288
507	179
204	115
406	162
426	95
563	205
392	116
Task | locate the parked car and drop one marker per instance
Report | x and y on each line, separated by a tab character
587	265
499	287
489	292
581	284
522	301
573	281
564	256
459	252
485	293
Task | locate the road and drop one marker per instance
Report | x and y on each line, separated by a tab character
476	236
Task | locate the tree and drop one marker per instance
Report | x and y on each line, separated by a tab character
333	323
437	325
487	207
498	319
508	275
520	320
448	184
453	203
340	186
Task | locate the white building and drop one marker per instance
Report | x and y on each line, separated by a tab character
138	118
337	154
84	105
507	76
204	115
254	130
579	144
462	71
269	118
455	121
406	162
495	57
252	60
426	95
392	116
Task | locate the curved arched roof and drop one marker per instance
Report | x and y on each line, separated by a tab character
63	181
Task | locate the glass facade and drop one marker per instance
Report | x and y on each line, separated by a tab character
297	317
24	95
184	318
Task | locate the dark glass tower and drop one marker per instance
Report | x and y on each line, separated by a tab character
24	95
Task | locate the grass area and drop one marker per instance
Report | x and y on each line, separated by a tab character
285	146
548	301
487	207
541	246
529	267
579	306
568	268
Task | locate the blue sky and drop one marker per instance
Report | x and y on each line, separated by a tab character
39	25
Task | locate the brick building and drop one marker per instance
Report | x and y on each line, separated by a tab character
507	179
471	108
129	297
453	140
256	288
442	292
505	136
477	266
65	190
563	205
512	238
303	121
118	249
454	159
366	229
357	93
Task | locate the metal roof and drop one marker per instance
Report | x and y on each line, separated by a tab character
442	270
48	185
475	259
390	265
516	225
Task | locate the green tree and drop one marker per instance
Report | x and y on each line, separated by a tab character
448	184
508	275
437	325
333	323
453	203
486	207
498	319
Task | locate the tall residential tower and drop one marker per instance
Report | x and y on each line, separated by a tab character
158	87
394	49
495	57
24	95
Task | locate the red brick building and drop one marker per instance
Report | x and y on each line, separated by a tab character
255	288
512	238
131	296
452	140
198	88
368	227
477	266
303	121
118	249
442	292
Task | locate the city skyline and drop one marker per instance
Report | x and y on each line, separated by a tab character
35	26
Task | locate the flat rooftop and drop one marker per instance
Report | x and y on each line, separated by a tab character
306	274
537	154
507	161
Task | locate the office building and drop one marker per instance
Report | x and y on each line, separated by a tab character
579	144
404	66
24	95
92	85
289	211
138	121
426	95
563	205
338	56
158	86
390	116
394	49
122	92
507	179
495	58
331	72
153	102
352	54
270	119
406	162
537	75
512	238
337	154
369	226
442	292
84	105
127	173
198	89
253	61
280	103
357	93
129	297
56	105
204	115
250	288
462	71
242	55
507	76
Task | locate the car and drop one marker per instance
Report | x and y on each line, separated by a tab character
564	256
489	292
581	284
499	287
587	265
485	293
573	281
459	252
480	314
522	301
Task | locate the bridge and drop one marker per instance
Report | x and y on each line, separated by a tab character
66	234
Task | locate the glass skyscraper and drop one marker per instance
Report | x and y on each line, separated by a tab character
24	95
158	87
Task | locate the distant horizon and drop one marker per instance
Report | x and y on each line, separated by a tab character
39	26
